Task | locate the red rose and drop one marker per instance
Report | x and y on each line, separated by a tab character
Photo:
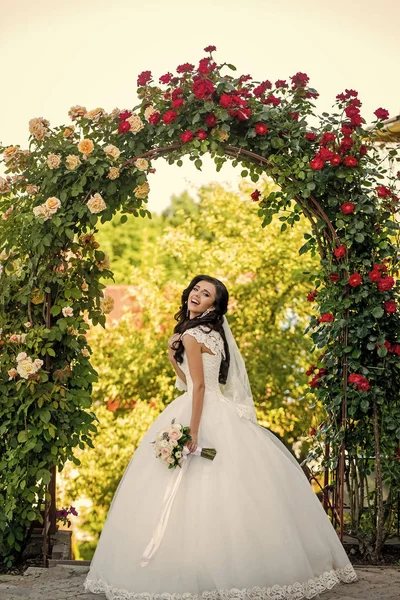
335	160
154	118
143	78
390	306
201	134
317	163
334	277
340	251
383	191
381	113
312	431
326	318
211	120
177	93
311	370
259	90
355	279
345	145
281	83
350	161
299	80
203	88
226	100
346	130
167	95
363	149
355	378
351	111
243	114
311	137
177	103
385	284
205	66
261	128
310	297
374	275
325	153
347	208
186	136
123	127
165	78
169	117
185	68
125	114
294	115
256	195
210	49
271	99
327	138
315	382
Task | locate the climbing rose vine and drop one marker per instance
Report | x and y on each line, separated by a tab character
55	193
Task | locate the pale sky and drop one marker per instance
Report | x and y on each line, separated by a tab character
55	54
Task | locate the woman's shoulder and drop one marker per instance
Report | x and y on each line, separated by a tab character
209	337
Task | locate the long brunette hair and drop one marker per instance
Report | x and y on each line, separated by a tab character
212	320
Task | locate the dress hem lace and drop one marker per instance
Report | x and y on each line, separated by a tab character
296	591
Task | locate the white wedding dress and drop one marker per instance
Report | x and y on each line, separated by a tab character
246	525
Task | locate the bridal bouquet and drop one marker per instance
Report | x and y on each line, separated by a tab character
169	445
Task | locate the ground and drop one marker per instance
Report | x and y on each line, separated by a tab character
66	583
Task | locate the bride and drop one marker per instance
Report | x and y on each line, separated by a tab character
246	525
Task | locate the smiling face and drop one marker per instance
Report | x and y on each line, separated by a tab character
201	297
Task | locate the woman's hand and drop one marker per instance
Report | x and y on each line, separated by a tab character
192	444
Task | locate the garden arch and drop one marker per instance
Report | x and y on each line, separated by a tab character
51	267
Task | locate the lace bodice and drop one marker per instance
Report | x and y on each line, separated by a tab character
211	362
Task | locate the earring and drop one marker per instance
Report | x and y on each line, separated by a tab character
206	312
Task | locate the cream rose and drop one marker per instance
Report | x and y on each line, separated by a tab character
26	367
106	304
8	212
69	132
103	264
72	161
113	173
22	356
77	111
52	204
136	123
142	164
68	311
42	212
86	146
85	352
96	203
112	151
38	363
53	161
11	153
142	191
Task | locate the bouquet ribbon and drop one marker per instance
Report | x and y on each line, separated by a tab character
168	500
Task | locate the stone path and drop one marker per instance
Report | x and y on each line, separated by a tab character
65	583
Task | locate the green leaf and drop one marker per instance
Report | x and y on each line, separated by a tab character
378	312
22	436
231	67
124	219
382	351
111	188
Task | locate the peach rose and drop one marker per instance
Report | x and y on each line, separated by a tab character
39	128
136	123
95	114
112	151
113	173
86	146
32	189
4	187
53	161
142	191
11	153
69	132
12	373
52	204
142	164
67	311
77	111
8	212
84	287
72	161
106	304
85	352
96	204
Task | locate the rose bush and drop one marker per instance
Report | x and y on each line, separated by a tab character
71	176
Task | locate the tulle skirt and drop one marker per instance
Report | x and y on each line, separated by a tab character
244	525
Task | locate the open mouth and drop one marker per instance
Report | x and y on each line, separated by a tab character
195	302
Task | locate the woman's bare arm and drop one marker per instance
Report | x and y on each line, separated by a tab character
195	362
172	360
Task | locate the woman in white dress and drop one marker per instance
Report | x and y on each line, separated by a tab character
245	525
